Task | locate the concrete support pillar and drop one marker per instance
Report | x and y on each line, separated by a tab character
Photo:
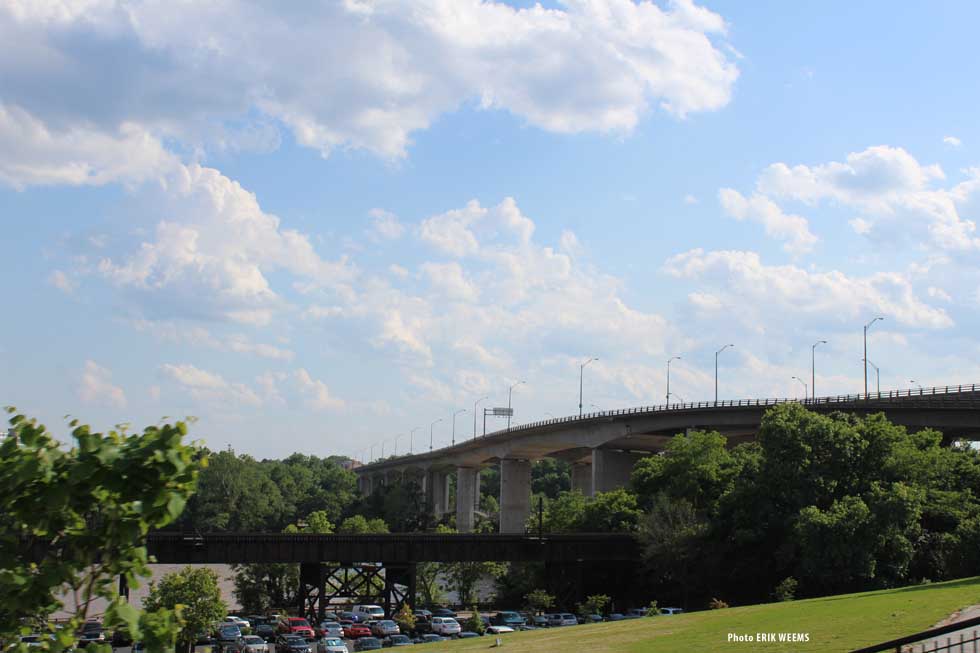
437	492
611	469
582	478
515	495
466	497
365	485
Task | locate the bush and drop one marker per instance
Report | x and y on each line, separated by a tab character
653	609
474	623
594	604
785	590
717	604
539	600
405	619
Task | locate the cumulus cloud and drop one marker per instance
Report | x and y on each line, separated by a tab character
62	281
952	141
316	392
395	66
208	386
449	280
793	229
385	225
96	387
749	284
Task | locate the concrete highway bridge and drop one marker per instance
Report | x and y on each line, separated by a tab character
603	447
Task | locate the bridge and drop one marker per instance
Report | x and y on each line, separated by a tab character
603	447
382	569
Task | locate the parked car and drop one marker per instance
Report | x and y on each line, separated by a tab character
507	618
331	645
354	630
368	611
591	618
346	615
398	640
251	644
296	626
669	611
423	614
238	621
467	634
540	620
287	643
91	633
367	644
499	630
266	632
330	629
384	628
431	637
443	612
636	613
561	619
31	640
121	638
446	626
615	616
228	634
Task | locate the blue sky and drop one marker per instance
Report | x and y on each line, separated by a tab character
318	229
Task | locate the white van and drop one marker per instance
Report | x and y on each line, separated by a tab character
368	612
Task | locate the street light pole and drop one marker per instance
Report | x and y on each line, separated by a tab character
461	410
400	435
581	373
877	376
672	358
813	367
804	386
474	413
866	327
510	391
411	439
716	369
430	432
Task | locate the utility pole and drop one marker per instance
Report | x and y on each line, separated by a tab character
581	373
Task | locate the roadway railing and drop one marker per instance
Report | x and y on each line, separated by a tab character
953	638
842	400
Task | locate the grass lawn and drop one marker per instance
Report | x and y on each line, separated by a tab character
834	623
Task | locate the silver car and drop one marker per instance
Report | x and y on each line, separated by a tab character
331	629
331	645
384	628
251	644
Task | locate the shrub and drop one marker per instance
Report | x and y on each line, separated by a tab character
474	623
786	589
717	604
405	619
653	609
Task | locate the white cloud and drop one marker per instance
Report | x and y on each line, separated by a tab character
952	141
450	231
750	287
96	387
316	392
793	229
385	225
209	387
62	282
690	199
939	293
398	271
212	250
395	66
450	280
569	243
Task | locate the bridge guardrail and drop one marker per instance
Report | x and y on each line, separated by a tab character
890	395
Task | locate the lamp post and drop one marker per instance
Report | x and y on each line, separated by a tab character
813	367
877	376
716	369
372	452
804	386
430	432
866	327
474	413
411	439
581	373
510	392
461	410
400	435
672	358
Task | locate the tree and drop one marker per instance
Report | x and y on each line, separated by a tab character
550	477
539	600
594	604
611	512
358	525
405	619
197	597
475	624
427	583
82	514
463	576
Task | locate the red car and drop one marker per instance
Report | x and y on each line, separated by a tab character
296	626
353	630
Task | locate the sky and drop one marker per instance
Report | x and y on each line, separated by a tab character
323	226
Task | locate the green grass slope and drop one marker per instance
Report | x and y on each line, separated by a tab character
834	623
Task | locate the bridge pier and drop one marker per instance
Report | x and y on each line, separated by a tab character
437	492
467	495
582	478
611	469
515	495
364	484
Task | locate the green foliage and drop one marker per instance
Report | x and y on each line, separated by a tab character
261	587
80	515
358	525
462	577
194	594
653	609
594	604
405	619
539	600
475	624
427	583
615	511
550	477
785	590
